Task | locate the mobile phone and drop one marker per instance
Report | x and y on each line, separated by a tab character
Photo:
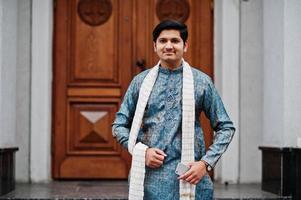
181	169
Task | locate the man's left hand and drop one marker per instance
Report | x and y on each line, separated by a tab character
195	173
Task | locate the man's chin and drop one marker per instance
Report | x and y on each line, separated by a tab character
169	59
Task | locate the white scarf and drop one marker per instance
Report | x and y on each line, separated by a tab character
187	190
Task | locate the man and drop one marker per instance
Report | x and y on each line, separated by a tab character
158	123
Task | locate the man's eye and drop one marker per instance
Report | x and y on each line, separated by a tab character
162	40
175	41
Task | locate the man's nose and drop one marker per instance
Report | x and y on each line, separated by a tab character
168	45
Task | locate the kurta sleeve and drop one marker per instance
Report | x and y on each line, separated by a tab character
122	125
220	122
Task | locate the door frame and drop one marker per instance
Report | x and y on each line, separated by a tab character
41	96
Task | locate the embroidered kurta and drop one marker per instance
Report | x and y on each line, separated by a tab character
161	128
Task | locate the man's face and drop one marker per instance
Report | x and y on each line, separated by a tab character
170	48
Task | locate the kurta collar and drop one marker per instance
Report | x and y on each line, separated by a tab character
168	71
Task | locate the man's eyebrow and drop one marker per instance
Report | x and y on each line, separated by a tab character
169	38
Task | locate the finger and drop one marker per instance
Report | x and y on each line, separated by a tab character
152	166
195	182
181	177
187	174
190	178
159	157
159	151
153	161
155	165
191	181
157	162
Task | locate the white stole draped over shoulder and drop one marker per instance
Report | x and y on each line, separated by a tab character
187	190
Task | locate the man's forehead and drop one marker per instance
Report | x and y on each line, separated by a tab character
170	33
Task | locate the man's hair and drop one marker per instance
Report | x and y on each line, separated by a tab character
170	25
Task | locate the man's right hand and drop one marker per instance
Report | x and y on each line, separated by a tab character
154	157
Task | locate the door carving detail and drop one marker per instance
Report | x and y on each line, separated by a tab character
94	120
173	9
94	12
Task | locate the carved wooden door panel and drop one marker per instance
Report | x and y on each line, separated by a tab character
96	46
92	68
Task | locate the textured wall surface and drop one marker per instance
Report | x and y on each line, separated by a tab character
282	46
273	64
8	23
292	72
226	77
251	88
23	90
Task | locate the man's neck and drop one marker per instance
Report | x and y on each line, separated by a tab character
171	66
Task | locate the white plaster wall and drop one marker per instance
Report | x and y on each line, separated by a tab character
292	72
282	46
41	83
1	68
8	18
273	65
23	90
251	90
226	67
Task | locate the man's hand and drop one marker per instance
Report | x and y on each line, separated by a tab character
154	157
195	173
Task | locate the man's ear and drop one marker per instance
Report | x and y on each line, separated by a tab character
185	46
155	47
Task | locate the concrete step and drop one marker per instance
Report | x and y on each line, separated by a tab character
118	190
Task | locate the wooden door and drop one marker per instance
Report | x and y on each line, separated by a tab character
96	46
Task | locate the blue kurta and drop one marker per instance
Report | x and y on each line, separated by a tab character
162	128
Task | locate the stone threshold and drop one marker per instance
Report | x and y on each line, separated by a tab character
118	190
